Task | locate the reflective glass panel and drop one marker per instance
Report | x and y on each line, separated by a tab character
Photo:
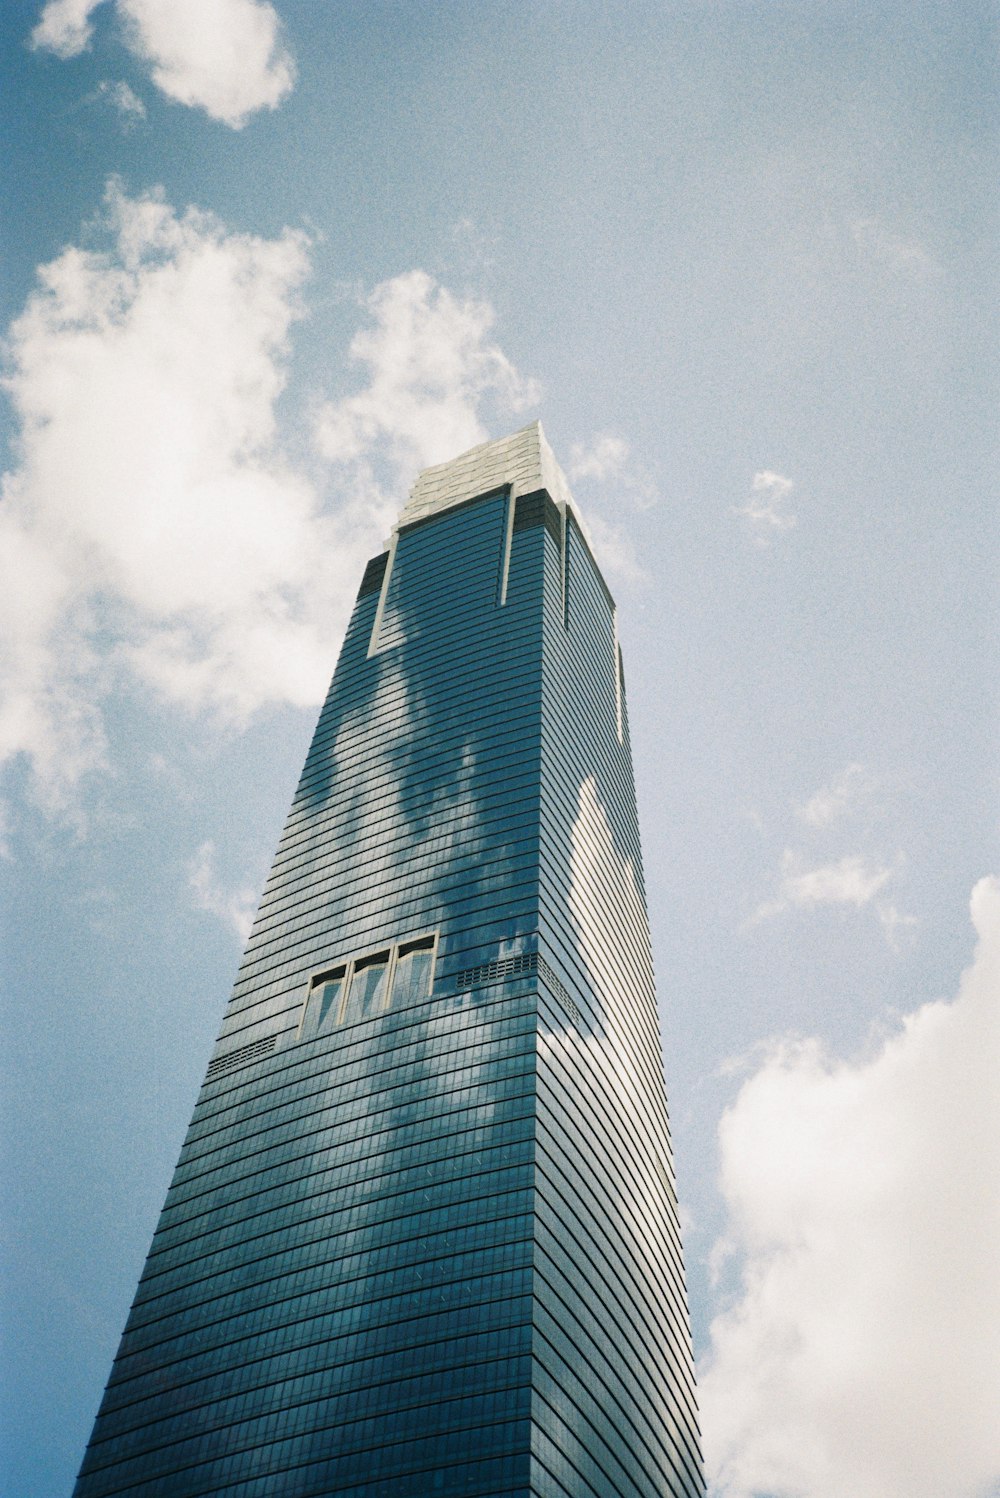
367	989
321	1010
412	978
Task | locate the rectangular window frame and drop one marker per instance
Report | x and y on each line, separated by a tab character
427	941
359	965
326	974
346	967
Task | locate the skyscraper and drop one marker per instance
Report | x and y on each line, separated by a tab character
422	1237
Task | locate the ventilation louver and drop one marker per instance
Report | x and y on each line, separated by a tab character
246	1053
513	967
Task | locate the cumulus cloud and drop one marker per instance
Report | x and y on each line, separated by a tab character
608	456
765	511
849	881
235	908
430	365
154	533
64	27
151	525
222	56
860	1355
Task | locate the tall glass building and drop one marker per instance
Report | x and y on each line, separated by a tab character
422	1238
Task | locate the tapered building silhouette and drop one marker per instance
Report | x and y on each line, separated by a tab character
422	1238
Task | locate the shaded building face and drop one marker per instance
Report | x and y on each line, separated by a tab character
422	1237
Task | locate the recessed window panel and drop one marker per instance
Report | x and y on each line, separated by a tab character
414	971
367	991
323	1004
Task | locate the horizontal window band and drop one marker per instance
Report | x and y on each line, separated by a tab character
399	1047
516	1206
262	1373
301	1067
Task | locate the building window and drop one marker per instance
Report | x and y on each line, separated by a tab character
323	1003
414	971
361	987
367	992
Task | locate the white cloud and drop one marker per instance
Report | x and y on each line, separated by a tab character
833	801
430	365
155	532
600	459
222	56
765	511
152	526
122	99
64	27
235	907
860	1357
850	880
608	456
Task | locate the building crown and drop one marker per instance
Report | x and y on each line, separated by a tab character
524	461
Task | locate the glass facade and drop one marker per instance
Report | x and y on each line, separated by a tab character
422	1237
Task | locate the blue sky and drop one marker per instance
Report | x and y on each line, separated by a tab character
261	264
